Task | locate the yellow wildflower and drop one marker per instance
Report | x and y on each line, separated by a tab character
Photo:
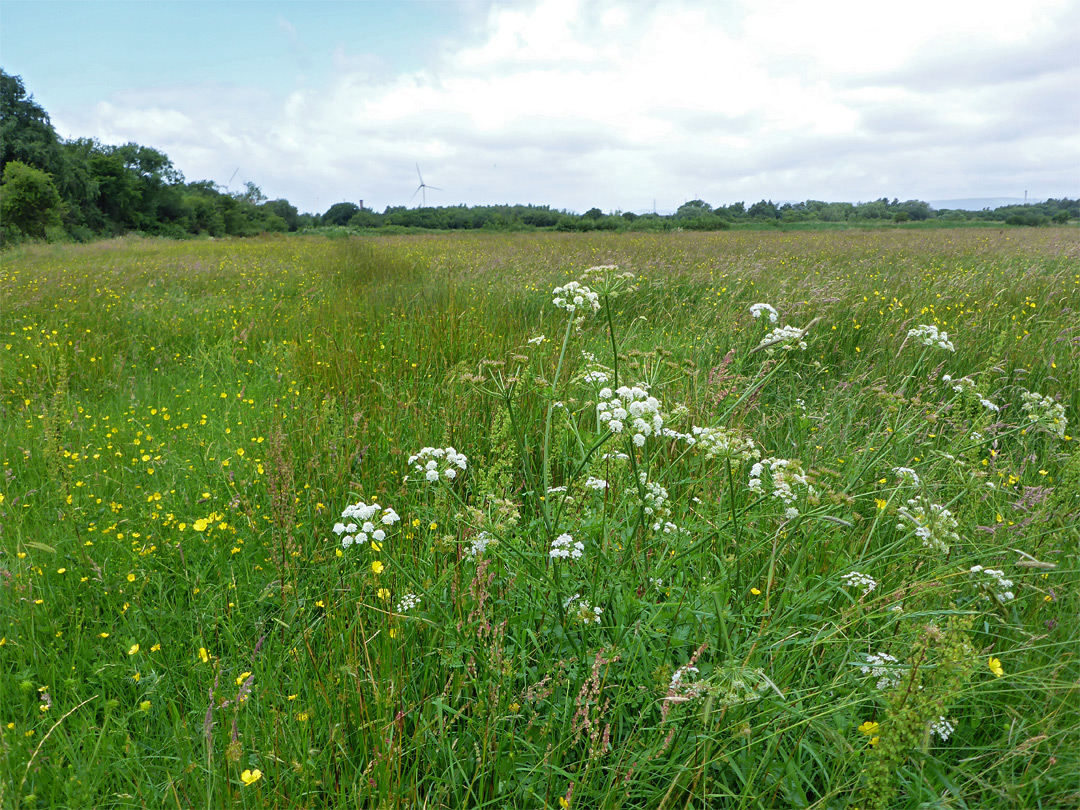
251	777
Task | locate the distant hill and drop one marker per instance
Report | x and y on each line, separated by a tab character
979	203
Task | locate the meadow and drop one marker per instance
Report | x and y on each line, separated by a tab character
542	520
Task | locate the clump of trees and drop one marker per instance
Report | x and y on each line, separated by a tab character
51	188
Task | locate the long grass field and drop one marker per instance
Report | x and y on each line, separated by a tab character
307	523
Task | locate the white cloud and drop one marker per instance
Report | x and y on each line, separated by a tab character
574	104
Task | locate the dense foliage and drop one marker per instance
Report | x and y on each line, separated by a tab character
81	189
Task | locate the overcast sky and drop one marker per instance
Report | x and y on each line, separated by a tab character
571	103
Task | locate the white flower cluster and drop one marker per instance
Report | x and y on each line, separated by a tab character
1045	412
407	603
584	612
565	547
885	668
757	310
596	377
928	335
436	462
573	296
536	341
788	338
608	280
966	386
681	681
943	728
961	385
480	544
359	524
908	473
655	503
854	579
720	442
785	476
633	405
994	583
667	527
931	522
599	484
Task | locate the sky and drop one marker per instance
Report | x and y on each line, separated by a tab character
624	105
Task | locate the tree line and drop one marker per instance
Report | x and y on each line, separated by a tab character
80	189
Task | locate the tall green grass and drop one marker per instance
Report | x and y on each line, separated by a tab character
183	424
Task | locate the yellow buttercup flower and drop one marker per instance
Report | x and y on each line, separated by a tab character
203	655
251	777
377	567
134	649
995	667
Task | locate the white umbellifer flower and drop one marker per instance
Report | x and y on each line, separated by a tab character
584	612
943	728
1045	412
598	484
885	668
788	338
435	462
757	310
993	584
632	405
667	527
536	341
682	678
724	443
908	473
856	580
366	530
990	406
407	603
931	522
785	475
656	497
573	297
565	547
928	335
480	544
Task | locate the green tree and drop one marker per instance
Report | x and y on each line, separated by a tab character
340	213
764	209
693	210
29	201
26	133
287	212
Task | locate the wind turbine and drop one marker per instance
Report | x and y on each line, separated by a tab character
422	188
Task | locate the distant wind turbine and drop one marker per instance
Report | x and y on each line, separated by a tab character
422	188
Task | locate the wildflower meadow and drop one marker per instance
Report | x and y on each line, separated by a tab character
682	520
